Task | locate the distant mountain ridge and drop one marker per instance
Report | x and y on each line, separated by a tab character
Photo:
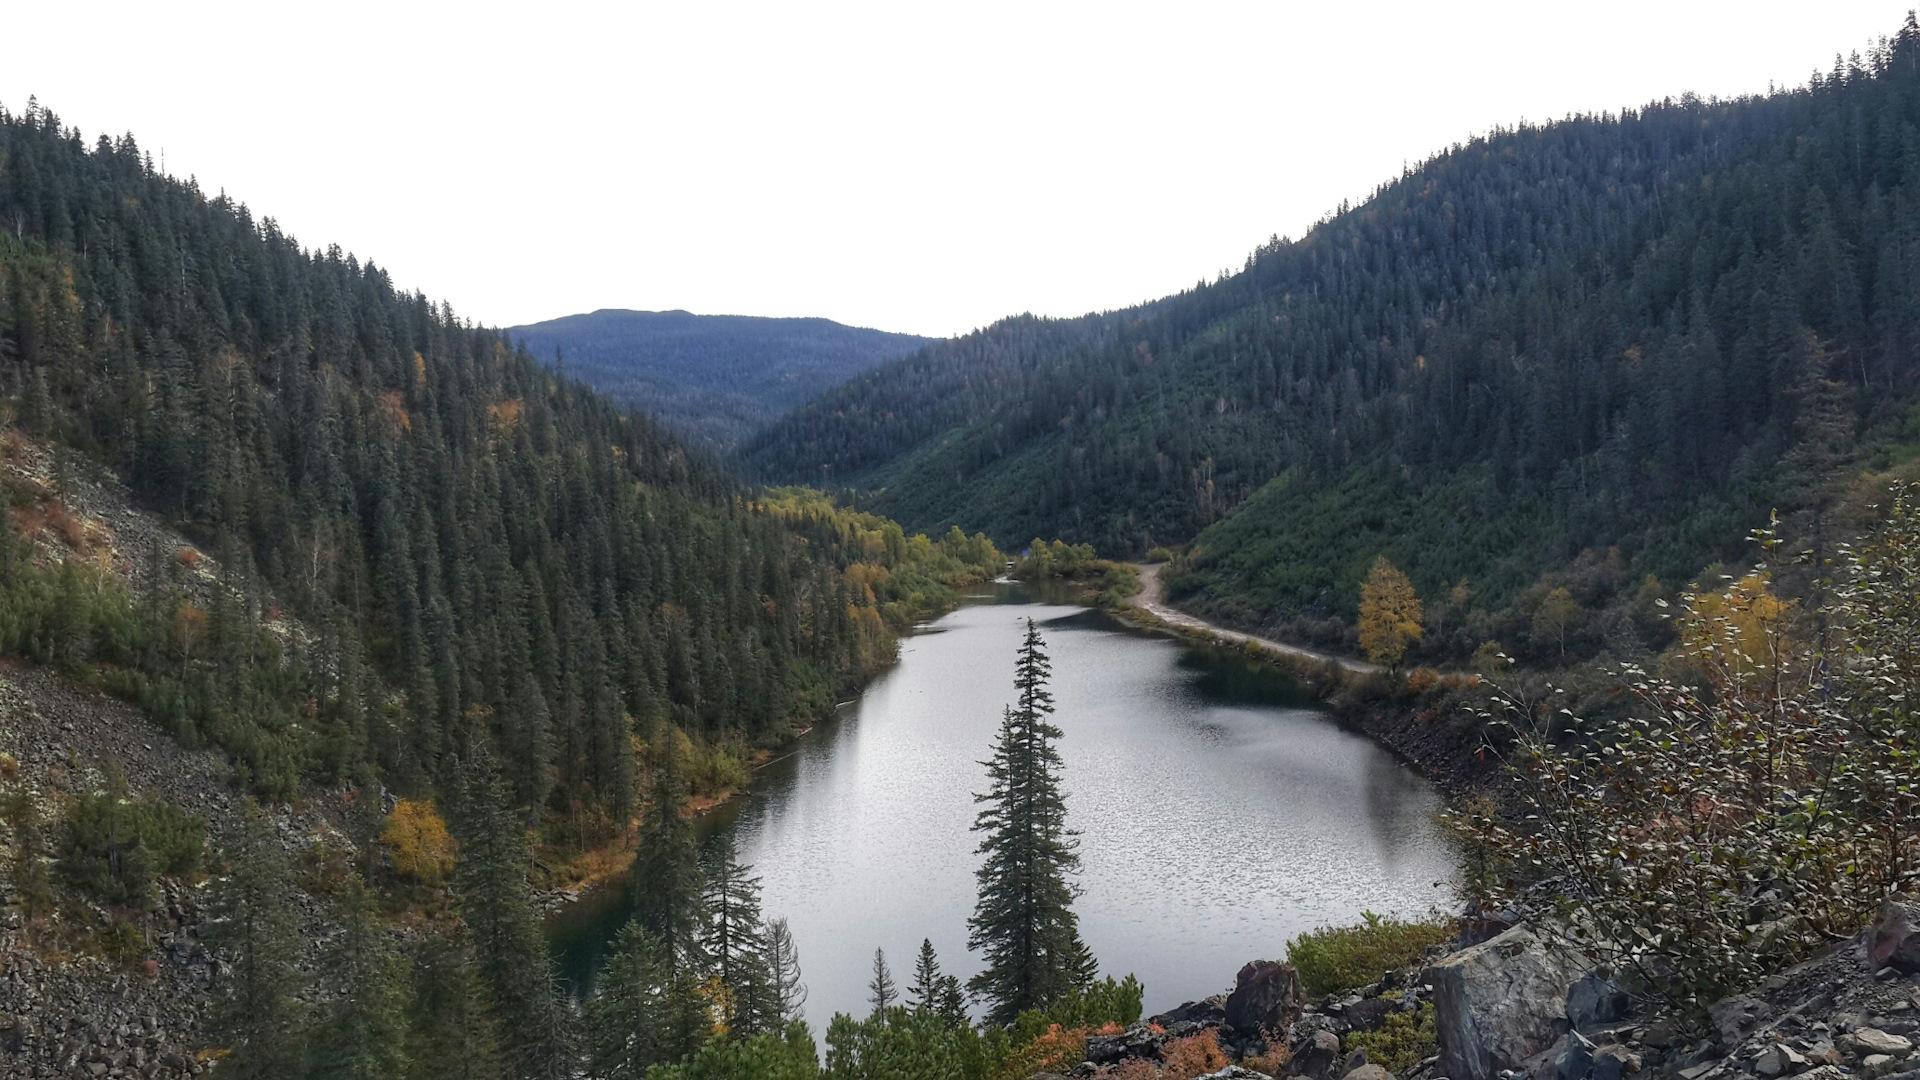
1631	335
714	377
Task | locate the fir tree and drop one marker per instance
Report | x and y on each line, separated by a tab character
1023	922
257	1013
492	896
783	963
880	990
666	870
361	1033
734	941
934	993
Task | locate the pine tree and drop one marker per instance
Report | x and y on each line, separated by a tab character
880	991
631	1014
492	896
666	870
257	1013
454	1037
361	1033
783	963
1023	922
934	993
734	941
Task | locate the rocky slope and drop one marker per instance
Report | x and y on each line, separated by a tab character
1520	1007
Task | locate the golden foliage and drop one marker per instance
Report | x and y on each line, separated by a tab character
506	415
418	842
1389	614
396	407
1738	634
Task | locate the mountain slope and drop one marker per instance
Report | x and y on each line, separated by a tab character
1637	331
714	377
484	552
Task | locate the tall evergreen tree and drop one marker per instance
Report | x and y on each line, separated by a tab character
783	963
1023	922
666	869
361	1034
735	941
257	1013
454	1035
880	990
636	1017
934	993
496	905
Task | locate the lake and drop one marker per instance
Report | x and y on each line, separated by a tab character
1219	814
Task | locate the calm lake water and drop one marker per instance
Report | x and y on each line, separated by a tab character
1219	816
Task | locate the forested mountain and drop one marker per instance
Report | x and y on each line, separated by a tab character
453	619
482	549
714	377
1636	331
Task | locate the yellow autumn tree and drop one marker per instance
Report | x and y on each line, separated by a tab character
1389	614
418	842
1739	635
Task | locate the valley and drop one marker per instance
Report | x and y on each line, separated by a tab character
1477	635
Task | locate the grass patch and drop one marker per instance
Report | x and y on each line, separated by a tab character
1333	959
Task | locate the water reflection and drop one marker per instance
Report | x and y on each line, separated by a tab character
1218	816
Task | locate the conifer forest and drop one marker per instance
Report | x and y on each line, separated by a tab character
1551	514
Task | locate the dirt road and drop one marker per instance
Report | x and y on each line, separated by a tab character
1152	600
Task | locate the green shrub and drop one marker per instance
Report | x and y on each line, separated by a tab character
113	845
1404	1041
1333	959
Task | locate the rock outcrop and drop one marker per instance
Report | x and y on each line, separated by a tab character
1266	997
1501	1002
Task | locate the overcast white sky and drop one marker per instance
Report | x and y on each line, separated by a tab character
909	166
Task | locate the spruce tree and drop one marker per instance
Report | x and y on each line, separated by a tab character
880	991
783	964
734	941
27	863
495	903
924	991
934	993
1023	922
666	870
630	1015
453	1037
257	1014
362	1030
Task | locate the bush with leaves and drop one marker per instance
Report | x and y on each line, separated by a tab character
1333	959
1402	1042
1721	831
114	844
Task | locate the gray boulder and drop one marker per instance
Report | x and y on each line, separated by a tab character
1316	1056
1266	997
1894	939
1576	1061
1370	1013
1211	1010
1500	1002
1595	999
